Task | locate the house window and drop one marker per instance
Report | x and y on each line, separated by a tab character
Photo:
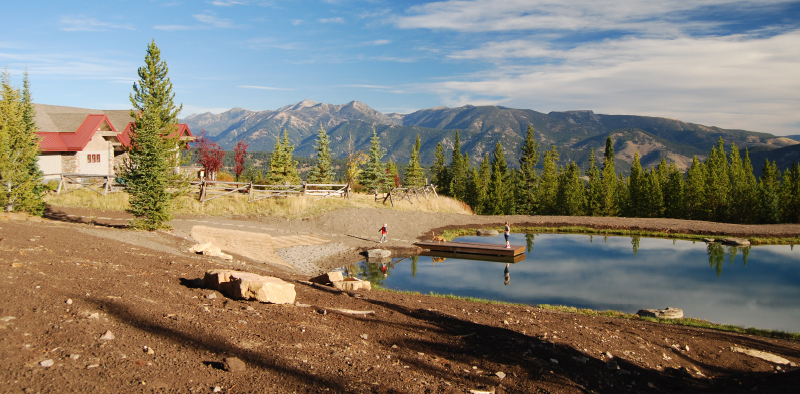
93	158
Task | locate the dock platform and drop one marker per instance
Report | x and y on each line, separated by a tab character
472	248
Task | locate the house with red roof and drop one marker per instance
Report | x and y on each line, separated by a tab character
85	141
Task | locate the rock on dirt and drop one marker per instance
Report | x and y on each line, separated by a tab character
248	286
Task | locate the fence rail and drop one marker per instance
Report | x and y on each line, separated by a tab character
210	190
98	183
405	193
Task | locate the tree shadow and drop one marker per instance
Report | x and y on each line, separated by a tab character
53	213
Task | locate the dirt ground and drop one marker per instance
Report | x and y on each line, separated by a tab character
68	279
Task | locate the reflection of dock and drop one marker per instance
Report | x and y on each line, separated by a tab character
472	248
477	257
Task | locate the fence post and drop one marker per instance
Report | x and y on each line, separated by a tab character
202	190
250	192
60	183
305	187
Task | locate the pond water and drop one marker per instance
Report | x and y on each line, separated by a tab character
757	286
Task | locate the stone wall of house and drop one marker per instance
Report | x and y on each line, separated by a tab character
111	159
70	163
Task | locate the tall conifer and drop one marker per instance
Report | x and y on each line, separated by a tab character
414	174
501	188
529	180
769	207
608	195
322	172
374	176
439	171
458	170
548	184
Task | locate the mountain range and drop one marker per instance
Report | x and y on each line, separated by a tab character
574	133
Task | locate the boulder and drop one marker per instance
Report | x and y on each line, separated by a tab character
487	233
327	278
233	364
669	313
352	284
207	249
736	242
378	254
762	355
247	286
199	248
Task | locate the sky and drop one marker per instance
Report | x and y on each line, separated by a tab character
726	63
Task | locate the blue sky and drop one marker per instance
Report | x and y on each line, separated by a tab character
734	64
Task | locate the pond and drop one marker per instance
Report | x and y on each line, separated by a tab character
757	286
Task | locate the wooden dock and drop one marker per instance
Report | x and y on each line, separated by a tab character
477	257
472	248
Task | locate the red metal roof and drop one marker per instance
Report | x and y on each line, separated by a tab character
183	132
59	142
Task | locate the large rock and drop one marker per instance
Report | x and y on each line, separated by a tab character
247	286
762	355
487	233
378	254
327	278
207	249
669	313
352	284
736	242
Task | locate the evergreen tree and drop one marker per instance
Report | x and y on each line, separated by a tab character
790	194
594	191
374	176
548	184
717	183
694	199
571	191
458	171
500	189
20	177
414	174
528	179
440	171
673	193
282	166
154	144
322	172
608	196
481	180
637	190
743	188
769	207
654	196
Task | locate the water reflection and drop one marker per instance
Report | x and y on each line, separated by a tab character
759	286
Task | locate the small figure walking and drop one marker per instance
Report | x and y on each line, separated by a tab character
506	234
383	233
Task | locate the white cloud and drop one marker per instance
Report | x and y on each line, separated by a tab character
732	81
262	87
80	23
331	20
174	27
227	3
377	42
214	21
296	22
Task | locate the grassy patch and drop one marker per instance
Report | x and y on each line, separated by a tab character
237	204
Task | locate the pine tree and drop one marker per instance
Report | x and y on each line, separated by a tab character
694	199
743	188
654	195
790	194
769	207
717	183
594	191
414	174
458	171
608	195
548	184
481	179
20	177
374	175
282	166
636	190
500	189
571	191
529	180
152	153
322	172
440	171
673	193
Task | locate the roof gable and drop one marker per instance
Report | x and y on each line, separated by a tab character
77	140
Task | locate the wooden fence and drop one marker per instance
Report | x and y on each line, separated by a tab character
405	193
210	190
100	184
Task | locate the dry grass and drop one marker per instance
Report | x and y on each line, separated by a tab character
236	204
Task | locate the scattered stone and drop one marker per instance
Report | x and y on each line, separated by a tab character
95	316
669	313
394	346
554	361
217	389
686	348
74	356
608	354
69	301
233	364
486	233
107	336
47	363
378	254
199	248
736	242
247	286
352	284
500	375
211	296
327	278
762	355
90	366
148	350
364	336
249	308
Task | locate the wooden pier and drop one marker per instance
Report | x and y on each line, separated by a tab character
472	248
477	257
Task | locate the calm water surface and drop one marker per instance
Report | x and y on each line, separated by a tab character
751	287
